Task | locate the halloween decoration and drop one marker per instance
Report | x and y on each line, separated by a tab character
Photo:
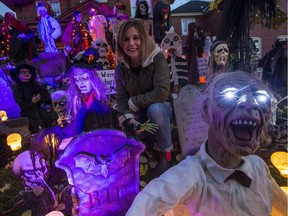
102	48
219	57
48	28
19	41
142	13
97	25
32	169
191	55
98	165
3	115
75	35
14	141
237	108
280	161
171	44
34	100
61	102
161	20
237	18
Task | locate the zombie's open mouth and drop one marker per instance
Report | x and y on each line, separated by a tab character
244	129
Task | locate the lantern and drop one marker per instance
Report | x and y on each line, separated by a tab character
14	141
3	115
280	161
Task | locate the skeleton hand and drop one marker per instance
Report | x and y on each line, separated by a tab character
150	127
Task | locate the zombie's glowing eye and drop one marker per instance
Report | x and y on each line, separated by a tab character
262	96
229	93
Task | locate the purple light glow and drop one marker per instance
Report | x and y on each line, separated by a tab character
103	167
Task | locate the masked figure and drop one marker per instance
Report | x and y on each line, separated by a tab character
161	19
49	29
61	102
75	35
21	44
97	25
219	57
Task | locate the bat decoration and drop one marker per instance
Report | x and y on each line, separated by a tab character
103	164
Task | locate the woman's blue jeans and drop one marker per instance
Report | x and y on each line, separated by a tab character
160	114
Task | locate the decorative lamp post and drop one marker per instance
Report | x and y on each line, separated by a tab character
14	141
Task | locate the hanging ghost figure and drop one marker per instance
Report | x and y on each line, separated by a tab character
219	57
172	45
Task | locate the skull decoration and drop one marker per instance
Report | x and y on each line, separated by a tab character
143	9
32	174
102	48
3	115
172	41
61	104
221	53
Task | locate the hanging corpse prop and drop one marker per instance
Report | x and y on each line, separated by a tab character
171	44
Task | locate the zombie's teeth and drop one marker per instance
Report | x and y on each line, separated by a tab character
244	122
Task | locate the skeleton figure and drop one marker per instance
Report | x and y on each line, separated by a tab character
219	57
32	169
61	102
171	44
102	48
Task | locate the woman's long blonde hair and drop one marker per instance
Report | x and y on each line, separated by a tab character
147	45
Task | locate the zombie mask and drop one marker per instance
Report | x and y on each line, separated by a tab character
61	104
172	41
221	53
32	174
238	111
82	80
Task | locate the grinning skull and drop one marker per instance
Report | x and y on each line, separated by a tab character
172	41
33	176
221	53
65	82
101	46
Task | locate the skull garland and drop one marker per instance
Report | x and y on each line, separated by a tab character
171	44
62	105
219	57
102	48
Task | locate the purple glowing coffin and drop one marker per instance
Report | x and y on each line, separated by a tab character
103	167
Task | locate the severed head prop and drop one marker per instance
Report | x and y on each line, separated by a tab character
237	108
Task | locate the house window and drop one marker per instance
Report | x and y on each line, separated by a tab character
184	25
55	6
257	46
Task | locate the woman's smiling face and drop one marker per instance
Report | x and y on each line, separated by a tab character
132	44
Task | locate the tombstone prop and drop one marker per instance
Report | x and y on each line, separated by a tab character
103	168
192	128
